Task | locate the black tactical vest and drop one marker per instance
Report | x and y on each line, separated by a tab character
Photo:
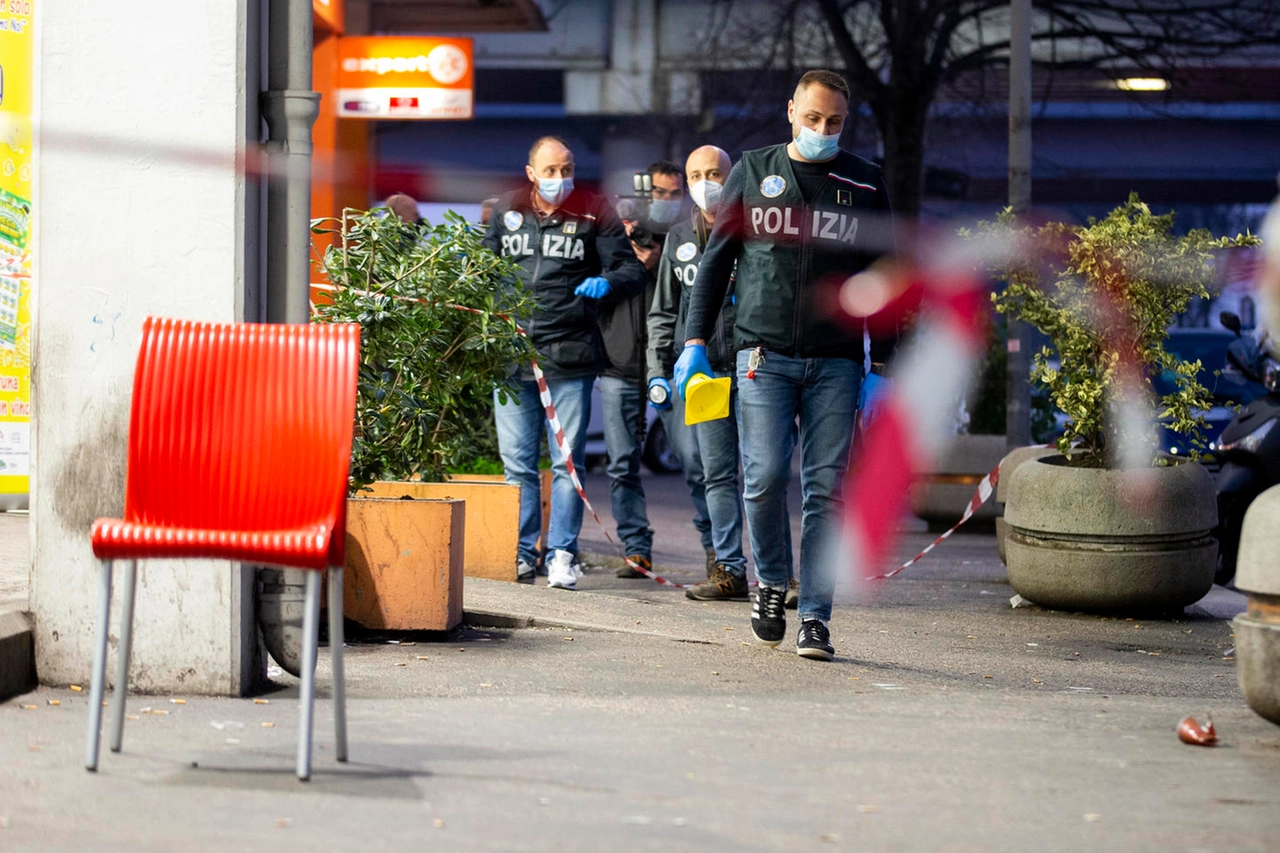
796	256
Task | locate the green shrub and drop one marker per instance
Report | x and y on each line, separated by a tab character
428	370
1105	295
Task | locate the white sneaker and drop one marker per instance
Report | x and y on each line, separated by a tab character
526	572
563	571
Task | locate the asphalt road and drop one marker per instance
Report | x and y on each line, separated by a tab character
625	717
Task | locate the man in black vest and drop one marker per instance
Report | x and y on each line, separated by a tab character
798	219
570	251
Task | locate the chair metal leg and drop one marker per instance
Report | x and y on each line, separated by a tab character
336	640
99	675
121	693
310	647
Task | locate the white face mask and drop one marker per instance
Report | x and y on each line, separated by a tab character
705	194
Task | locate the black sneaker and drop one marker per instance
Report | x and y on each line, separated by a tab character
768	619
814	641
711	563
721	586
793	594
627	572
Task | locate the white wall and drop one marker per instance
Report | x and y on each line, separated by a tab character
139	210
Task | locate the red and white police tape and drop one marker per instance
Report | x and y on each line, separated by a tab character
898	442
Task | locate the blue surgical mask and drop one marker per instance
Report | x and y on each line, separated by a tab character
555	190
664	211
815	146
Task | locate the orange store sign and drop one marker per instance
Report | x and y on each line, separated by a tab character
391	77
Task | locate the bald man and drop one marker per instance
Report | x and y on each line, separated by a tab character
711	447
570	252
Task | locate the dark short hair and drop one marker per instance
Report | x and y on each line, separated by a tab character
822	77
665	167
543	140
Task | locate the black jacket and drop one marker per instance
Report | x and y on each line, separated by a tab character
792	257
668	313
582	238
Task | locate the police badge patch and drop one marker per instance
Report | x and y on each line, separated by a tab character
513	219
570	227
685	252
844	197
773	186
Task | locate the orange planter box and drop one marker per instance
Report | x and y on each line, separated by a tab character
544	479
404	564
493	521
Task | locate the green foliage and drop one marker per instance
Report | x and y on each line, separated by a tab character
428	370
1105	295
987	409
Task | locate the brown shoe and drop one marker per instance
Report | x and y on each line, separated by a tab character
792	601
711	563
721	586
628	572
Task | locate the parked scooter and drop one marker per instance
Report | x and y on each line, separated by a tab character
1249	446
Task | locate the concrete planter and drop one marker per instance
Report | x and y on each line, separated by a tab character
1102	540
1258	628
404	564
492	510
1008	465
941	496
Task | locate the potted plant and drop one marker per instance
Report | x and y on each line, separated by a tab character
437	313
1108	523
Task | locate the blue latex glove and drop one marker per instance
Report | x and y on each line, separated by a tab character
596	287
875	390
664	385
692	360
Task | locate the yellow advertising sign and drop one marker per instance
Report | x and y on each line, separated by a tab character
16	142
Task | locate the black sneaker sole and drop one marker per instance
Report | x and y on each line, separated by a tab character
629	572
816	654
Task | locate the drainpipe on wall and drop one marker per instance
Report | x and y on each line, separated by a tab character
290	108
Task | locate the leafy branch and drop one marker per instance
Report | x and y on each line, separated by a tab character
438	314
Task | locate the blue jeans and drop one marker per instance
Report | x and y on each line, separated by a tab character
684	441
823	392
718	449
623	416
520	423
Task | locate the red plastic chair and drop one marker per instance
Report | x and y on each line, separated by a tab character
239	449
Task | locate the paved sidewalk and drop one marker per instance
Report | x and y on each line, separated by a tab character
625	717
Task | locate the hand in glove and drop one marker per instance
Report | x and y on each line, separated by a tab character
596	287
693	359
875	390
659	382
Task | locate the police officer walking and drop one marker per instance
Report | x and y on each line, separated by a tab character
571	251
716	442
798	219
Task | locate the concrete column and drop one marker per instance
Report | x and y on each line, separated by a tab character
140	209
